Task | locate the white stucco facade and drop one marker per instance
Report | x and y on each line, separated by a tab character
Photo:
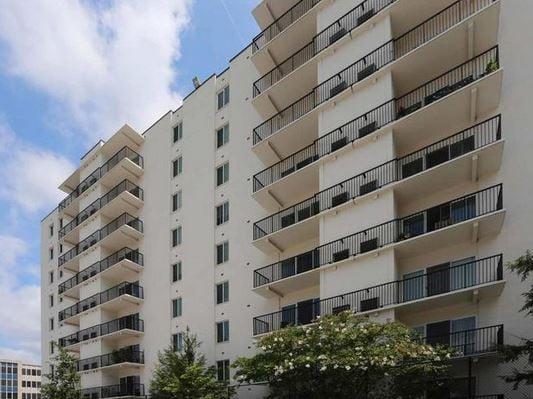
379	161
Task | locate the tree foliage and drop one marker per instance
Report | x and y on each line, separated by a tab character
345	356
183	374
64	382
523	267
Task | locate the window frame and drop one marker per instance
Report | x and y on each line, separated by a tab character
222	331
225	174
225	92
176	271
179	127
225	252
178	169
177	307
224	130
176	201
178	238
224	213
224	292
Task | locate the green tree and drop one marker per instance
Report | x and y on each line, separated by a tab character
345	356
64	382
183	374
523	266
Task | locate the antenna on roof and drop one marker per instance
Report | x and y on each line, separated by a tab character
196	82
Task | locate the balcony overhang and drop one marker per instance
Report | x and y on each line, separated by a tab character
292	187
467	231
463	41
123	237
459	109
472	294
114	367
468	167
125	169
267	11
112	337
125	270
290	40
119	303
124	202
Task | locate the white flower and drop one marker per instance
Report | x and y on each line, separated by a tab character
347	368
307	365
323	368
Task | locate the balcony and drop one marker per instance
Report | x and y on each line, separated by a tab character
126	163
475	342
471	217
431	289
127	326
118	297
123	265
292	101
125	196
129	356
114	391
266	60
121	232
471	153
474	86
291	30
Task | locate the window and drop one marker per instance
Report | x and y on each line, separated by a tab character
51	347
61	223
51	253
176	272
222	252
61	274
177	341
51	230
176	236
60	248
222	213
51	324
51	277
222	174
177	166
51	300
223	331
223	370
223	97
222	292
176	201
176	307
222	135
177	133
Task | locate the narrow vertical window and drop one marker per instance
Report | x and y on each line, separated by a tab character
176	236
177	307
222	292
223	370
176	201
177	133
222	253
222	213
222	135
223	97
176	272
177	166
223	331
222	174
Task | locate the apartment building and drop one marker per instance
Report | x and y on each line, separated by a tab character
354	157
19	380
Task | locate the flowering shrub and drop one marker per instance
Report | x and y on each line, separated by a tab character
345	356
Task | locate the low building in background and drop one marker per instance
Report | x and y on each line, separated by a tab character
19	380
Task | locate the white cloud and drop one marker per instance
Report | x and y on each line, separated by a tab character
30	177
20	310
104	65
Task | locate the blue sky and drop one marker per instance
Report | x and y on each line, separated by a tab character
74	71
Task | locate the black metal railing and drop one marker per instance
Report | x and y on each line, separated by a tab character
124	185
454	278
372	62
86	243
464	142
470	342
113	391
129	354
130	322
124	288
282	23
328	36
449	213
382	115
125	253
125	152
